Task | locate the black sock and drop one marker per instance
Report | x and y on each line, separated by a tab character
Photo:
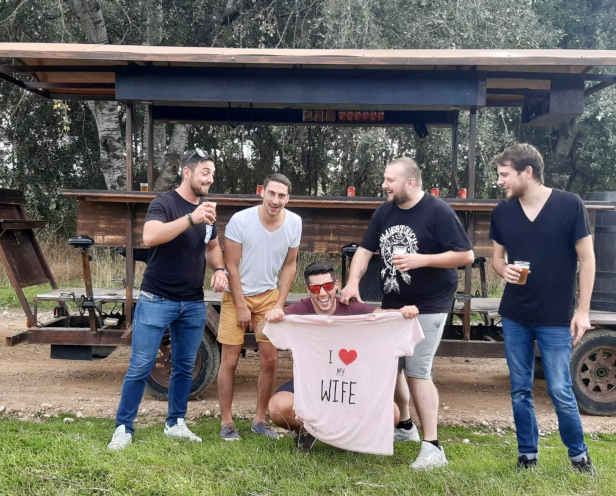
405	424
435	443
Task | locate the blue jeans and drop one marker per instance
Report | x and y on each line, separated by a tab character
186	323
555	346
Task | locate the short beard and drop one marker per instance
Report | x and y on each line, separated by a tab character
400	199
197	191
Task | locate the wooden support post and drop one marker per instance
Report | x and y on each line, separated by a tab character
129	147
468	271
454	159
472	145
130	266
150	148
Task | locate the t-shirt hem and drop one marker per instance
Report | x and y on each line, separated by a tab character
565	323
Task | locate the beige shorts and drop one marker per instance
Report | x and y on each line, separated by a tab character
229	332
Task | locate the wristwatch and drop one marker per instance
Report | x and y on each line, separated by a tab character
224	271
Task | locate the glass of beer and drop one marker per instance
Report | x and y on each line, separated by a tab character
525	266
144	186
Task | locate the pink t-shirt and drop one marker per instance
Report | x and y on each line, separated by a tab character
344	372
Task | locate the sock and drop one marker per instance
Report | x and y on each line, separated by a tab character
435	443
405	424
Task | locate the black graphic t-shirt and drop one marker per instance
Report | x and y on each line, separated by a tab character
548	243
176	269
430	227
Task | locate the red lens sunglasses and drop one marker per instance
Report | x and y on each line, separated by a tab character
316	288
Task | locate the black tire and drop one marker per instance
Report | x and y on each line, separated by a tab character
539	369
593	372
206	367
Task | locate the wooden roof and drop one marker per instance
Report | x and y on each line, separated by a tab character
86	71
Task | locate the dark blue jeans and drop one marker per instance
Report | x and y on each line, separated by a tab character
555	346
186	323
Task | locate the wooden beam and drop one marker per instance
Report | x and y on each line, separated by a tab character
60	86
150	148
483	349
472	145
454	159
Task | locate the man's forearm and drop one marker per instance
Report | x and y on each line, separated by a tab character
156	232
359	265
449	259
587	280
235	285
499	265
286	281
214	257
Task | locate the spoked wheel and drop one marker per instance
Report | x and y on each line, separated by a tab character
593	370
206	367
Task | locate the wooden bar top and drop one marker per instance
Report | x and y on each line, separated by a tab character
328	202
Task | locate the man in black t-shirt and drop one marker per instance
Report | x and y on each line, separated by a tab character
548	229
421	243
179	229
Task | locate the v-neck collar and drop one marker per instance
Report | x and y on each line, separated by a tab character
540	211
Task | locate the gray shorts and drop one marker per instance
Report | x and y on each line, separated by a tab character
419	366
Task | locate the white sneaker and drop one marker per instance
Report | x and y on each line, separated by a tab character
401	435
429	457
120	439
181	430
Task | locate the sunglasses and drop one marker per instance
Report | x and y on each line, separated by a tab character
316	288
199	152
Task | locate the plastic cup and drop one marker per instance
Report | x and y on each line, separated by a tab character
144	186
398	250
525	266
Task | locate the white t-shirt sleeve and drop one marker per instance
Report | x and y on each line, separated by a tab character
296	231
278	335
234	228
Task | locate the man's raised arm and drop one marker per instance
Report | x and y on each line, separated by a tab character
358	269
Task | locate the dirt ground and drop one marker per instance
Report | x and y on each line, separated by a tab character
473	391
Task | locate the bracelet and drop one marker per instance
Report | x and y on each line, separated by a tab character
224	271
190	219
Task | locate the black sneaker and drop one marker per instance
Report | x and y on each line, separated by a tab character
525	462
304	442
585	466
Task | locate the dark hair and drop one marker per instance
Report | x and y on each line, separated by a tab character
520	157
318	268
192	158
277	178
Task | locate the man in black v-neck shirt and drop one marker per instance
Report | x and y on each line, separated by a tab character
549	229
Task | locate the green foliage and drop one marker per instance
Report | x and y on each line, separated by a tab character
51	457
39	155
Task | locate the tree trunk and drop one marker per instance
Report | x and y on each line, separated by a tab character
112	159
177	145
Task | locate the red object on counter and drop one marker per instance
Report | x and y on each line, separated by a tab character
259	189
434	191
351	191
463	194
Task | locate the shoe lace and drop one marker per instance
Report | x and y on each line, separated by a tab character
230	427
185	431
118	439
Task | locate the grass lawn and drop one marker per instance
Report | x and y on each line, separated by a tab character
54	458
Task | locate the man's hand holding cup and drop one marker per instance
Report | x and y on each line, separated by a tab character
205	213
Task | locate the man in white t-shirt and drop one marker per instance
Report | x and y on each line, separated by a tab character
259	242
322	287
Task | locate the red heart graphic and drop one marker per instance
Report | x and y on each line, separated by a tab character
347	357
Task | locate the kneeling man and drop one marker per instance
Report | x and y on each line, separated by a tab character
322	287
